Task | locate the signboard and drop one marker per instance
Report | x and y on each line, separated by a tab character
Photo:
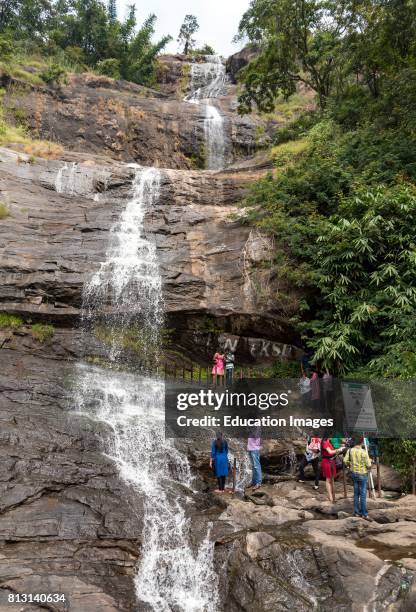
358	406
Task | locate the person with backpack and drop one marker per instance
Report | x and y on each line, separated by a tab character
359	463
311	456
219	461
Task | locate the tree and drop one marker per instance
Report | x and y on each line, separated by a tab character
139	61
188	28
8	9
204	50
299	41
112	10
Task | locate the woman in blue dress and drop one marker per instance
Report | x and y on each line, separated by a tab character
219	461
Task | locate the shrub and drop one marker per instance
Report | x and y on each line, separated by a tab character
4	211
6	49
42	332
55	74
109	67
8	320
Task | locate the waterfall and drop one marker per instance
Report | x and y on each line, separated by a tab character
127	289
208	81
124	296
76	179
65	179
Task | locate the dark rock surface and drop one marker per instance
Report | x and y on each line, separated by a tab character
240	59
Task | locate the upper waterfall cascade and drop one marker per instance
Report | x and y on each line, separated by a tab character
208	81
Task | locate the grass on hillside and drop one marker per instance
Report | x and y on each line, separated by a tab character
281	153
17	136
42	332
4	211
9	321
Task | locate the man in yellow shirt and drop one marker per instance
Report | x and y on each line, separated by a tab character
359	463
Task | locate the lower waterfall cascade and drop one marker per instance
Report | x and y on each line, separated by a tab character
171	575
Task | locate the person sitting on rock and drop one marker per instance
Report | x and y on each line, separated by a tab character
359	462
218	369
311	456
219	461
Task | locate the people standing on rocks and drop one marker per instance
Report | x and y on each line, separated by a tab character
218	369
358	461
305	390
229	367
311	456
253	448
327	389
328	466
219	461
316	391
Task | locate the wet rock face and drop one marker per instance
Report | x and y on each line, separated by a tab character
131	123
284	552
66	524
211	265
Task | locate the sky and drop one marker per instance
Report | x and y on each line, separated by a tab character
218	20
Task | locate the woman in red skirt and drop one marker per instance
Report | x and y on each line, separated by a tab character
328	466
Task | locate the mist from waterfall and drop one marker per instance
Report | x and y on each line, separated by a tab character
125	297
208	81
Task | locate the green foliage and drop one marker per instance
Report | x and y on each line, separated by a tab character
55	74
285	369
401	455
327	45
112	10
42	332
6	49
299	41
10	321
204	50
110	67
77	34
364	265
188	28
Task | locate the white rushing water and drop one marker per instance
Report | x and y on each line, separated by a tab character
173	574
128	286
78	179
208	81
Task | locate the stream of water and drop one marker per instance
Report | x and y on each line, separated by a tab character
208	81
126	292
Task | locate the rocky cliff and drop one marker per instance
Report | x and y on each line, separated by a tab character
68	522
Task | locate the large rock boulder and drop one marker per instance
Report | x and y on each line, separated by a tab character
240	59
391	479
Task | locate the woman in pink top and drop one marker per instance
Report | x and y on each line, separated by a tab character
218	369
